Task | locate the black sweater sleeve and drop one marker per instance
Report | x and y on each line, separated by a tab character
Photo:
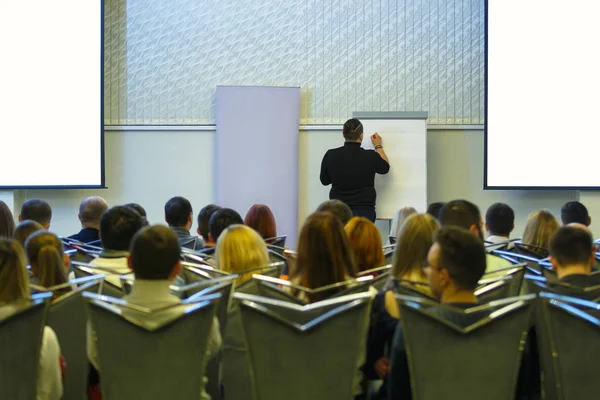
325	178
381	166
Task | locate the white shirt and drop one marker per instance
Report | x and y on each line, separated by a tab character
49	385
498	239
119	264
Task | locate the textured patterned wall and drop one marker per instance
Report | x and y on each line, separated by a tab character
164	58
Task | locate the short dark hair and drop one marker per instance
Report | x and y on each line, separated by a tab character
460	213
463	255
204	219
571	245
140	210
36	210
155	251
118	225
221	220
338	208
352	129
177	211
574	211
500	218
434	209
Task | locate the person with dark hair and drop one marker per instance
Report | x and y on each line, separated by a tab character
434	209
466	215
203	223
25	229
7	222
574	211
260	218
572	254
36	210
179	215
499	223
350	170
338	208
140	210
90	212
221	220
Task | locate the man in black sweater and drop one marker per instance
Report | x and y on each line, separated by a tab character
351	170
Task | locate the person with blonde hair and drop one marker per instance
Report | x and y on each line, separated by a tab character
539	228
365	241
14	287
400	217
240	248
47	259
7	222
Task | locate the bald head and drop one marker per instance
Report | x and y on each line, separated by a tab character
90	211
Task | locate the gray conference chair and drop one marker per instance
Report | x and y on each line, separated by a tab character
21	328
472	354
110	286
278	241
194	272
381	275
507	284
538	285
388	253
250	286
152	354
305	352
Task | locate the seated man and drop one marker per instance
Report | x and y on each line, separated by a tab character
220	221
155	261
90	212
203	224
575	212
499	223
434	209
572	254
140	210
36	210
338	208
179	215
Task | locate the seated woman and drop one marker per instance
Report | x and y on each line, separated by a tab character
399	219
539	228
365	241
260	218
7	222
14	286
240	248
415	238
25	229
48	261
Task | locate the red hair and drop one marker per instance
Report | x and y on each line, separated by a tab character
260	218
365	240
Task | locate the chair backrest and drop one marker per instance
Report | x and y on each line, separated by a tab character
284	339
381	276
508	284
388	253
450	350
538	285
278	241
532	262
110	286
21	329
193	272
250	286
224	286
152	354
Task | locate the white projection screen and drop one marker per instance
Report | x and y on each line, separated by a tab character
51	77
542	88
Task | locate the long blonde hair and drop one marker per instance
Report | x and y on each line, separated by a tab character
540	226
400	218
240	248
14	282
46	258
415	238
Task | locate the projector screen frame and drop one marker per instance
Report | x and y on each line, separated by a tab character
486	186
102	184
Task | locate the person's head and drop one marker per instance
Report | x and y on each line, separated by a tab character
260	218
7	222
401	216
154	254
221	220
456	262
353	130
434	209
324	254
574	211
572	250
14	282
118	225
25	229
140	210
464	214
540	226
36	210
179	213
91	210
365	241
338	208
204	221
241	248
500	220
413	242
48	261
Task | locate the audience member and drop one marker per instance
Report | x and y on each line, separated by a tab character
222	220
401	216
241	248
466	215
434	209
48	261
90	211
179	215
25	229
574	211
572	254
36	210
140	210
499	223
7	222
14	287
365	241
338	208
536	237
260	218
155	260
203	223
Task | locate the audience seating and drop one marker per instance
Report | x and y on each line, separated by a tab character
192	272
392	239
380	275
197	257
110	286
152	354
278	241
506	282
388	254
532	262
538	284
21	327
250	286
